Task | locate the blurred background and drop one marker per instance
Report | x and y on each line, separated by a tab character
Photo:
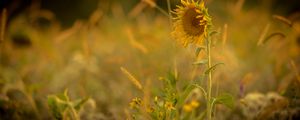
52	45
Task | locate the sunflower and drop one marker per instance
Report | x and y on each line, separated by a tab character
191	23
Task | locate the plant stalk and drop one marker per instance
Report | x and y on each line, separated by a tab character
209	82
74	115
169	11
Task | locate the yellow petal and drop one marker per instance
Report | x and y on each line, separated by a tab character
198	11
201	4
183	2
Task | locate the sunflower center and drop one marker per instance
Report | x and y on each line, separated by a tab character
191	24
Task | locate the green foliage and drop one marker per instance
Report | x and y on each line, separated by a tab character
185	94
200	62
225	99
79	103
199	49
170	102
213	67
56	107
62	108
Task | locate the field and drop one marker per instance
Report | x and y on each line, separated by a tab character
136	60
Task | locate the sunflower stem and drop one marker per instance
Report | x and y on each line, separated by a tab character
209	82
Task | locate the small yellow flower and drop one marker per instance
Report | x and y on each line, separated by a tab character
135	103
155	99
150	109
191	23
169	106
191	106
132	105
187	108
194	103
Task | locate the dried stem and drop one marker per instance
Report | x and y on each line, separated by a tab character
169	11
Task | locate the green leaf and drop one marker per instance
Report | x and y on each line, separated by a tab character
63	96
56	108
198	50
225	99
53	108
213	68
200	62
185	94
78	104
213	33
171	79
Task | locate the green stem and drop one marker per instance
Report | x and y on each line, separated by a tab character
209	82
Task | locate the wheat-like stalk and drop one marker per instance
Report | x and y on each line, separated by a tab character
135	81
